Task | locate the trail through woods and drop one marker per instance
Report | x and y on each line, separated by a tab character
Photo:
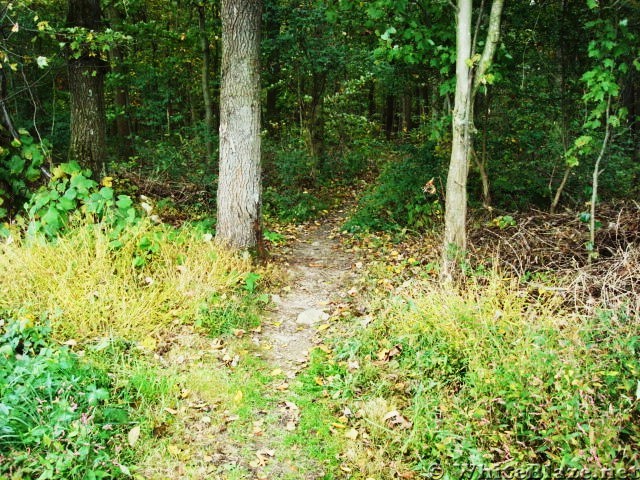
211	440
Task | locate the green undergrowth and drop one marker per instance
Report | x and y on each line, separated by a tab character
84	392
71	415
405	195
489	377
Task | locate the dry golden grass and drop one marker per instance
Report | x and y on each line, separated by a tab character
89	289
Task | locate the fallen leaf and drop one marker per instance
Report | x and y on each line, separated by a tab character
351	434
160	430
276	372
237	398
324	327
231	418
171	411
395	419
387	354
173	450
133	435
290	426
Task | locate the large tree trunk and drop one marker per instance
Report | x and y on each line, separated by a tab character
455	238
86	88
239	190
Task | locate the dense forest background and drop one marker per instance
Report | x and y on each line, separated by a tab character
342	83
351	342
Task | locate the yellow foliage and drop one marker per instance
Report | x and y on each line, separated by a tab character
92	290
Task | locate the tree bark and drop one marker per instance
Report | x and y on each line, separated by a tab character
455	234
206	94
455	238
239	189
86	87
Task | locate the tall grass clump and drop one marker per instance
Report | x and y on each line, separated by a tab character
92	285
492	377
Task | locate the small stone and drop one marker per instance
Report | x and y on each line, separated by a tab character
311	317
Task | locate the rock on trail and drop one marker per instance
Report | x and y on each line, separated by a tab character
318	271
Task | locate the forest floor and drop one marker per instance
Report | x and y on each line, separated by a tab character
248	406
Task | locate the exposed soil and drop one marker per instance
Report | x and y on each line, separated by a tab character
318	275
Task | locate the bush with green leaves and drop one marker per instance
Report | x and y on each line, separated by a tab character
19	171
58	415
71	190
402	197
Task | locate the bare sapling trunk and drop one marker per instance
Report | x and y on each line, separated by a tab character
455	235
594	183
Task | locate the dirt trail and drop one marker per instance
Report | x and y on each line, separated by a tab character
210	438
319	272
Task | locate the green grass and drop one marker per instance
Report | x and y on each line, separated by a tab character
61	415
488	376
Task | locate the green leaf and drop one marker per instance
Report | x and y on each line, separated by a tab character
15	164
66	204
106	193
124	202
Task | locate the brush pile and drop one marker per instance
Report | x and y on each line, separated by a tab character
538	242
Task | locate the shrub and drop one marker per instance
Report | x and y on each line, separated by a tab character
58	416
398	198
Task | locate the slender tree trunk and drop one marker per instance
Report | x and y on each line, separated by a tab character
239	190
389	112
455	238
371	100
86	87
455	234
594	183
5	117
206	95
482	159
121	94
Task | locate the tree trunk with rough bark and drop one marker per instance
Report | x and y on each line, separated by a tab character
239	189
86	87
